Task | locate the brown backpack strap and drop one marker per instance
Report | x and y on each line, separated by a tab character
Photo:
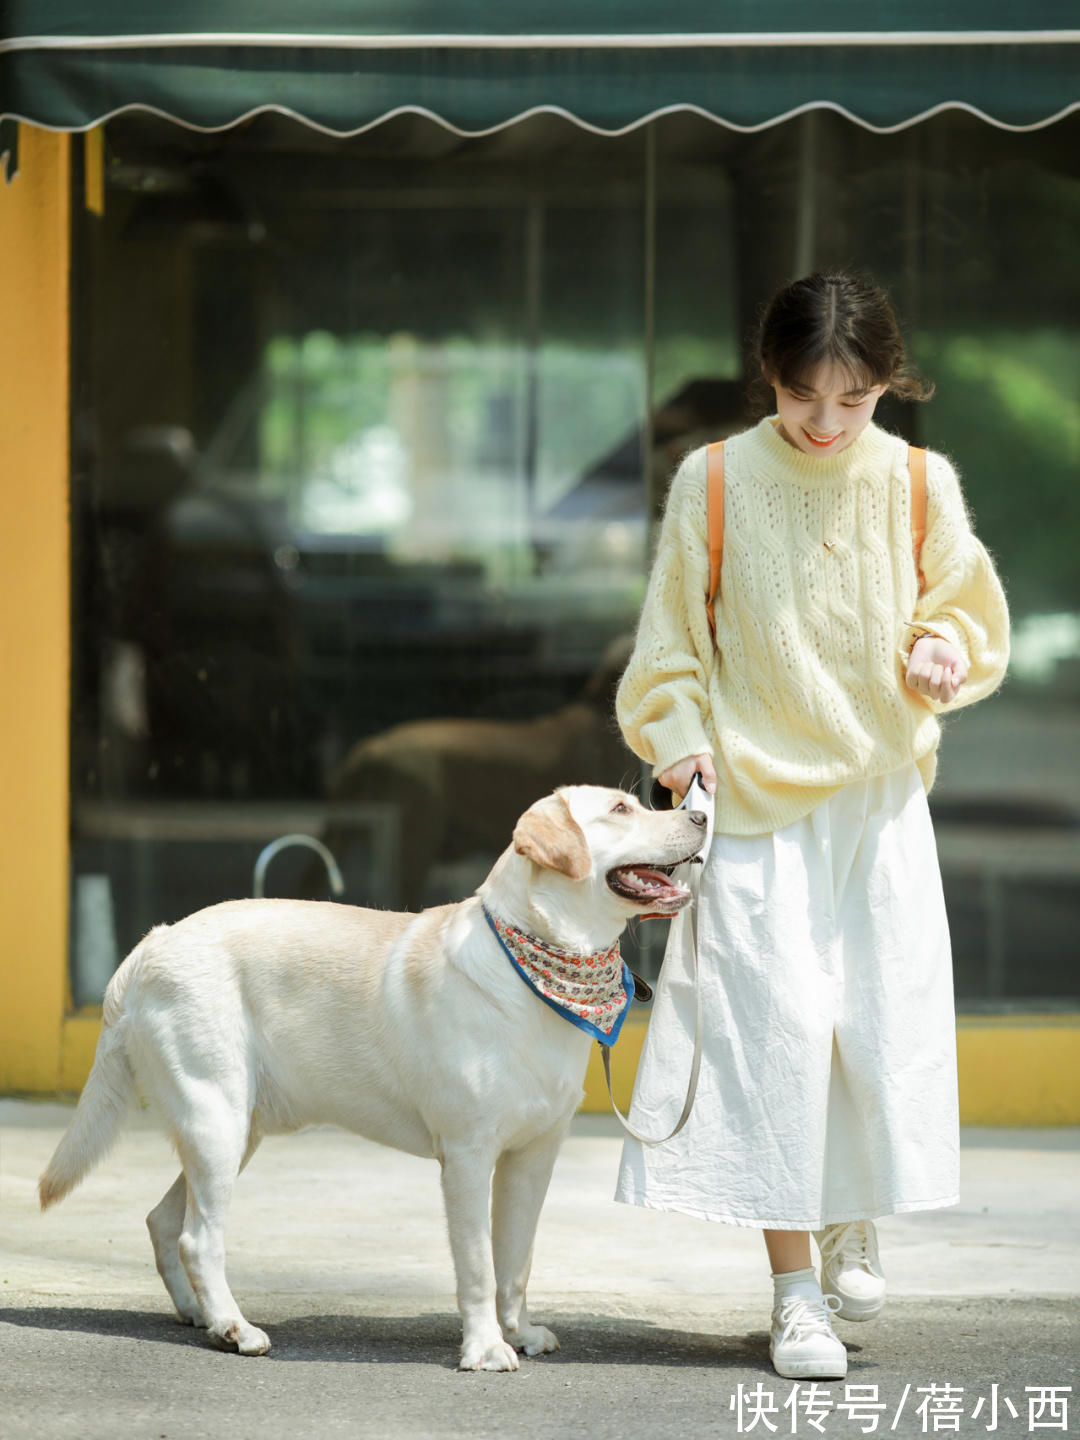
714	466
917	470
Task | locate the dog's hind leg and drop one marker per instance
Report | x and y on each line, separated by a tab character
521	1183
466	1183
165	1223
213	1146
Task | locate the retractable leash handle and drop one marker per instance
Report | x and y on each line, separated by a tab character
696	798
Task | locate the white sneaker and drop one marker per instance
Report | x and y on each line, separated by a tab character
804	1344
851	1269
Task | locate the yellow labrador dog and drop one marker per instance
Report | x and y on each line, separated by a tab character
257	1017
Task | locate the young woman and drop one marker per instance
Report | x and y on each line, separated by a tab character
827	1094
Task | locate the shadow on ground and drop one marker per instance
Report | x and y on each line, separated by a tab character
421	1340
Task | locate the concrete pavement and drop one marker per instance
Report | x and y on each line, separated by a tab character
338	1249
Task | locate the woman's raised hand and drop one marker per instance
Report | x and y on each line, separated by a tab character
936	668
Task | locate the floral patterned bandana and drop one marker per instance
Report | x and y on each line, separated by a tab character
591	991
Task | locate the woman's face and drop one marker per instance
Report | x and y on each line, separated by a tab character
827	412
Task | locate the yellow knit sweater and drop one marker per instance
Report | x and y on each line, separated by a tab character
804	689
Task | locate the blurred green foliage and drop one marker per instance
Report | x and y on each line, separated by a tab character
1007	412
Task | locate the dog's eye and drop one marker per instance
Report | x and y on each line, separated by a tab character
621	808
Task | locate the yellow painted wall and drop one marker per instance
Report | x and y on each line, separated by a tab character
1019	1069
35	230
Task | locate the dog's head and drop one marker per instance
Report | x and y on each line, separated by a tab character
592	857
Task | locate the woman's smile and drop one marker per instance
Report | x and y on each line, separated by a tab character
821	441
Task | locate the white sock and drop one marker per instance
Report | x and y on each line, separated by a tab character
796	1282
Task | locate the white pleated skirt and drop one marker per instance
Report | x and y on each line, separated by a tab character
828	1078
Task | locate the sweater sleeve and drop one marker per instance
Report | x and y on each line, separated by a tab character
963	600
662	702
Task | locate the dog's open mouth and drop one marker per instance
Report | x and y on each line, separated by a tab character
650	886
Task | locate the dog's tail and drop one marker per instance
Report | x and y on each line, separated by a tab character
103	1103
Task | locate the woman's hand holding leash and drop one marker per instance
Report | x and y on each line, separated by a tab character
935	668
678	777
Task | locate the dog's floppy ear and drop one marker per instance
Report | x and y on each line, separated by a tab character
548	834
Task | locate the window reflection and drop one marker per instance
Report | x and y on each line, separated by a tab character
369	441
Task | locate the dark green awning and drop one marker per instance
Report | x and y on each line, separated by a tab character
345	65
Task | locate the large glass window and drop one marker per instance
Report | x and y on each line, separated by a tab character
369	438
359	532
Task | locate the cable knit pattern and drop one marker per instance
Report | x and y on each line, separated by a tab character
804	689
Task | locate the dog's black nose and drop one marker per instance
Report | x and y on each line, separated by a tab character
698	818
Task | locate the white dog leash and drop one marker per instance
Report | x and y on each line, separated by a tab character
696	798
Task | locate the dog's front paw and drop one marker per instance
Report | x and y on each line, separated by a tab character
245	1339
496	1356
533	1339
